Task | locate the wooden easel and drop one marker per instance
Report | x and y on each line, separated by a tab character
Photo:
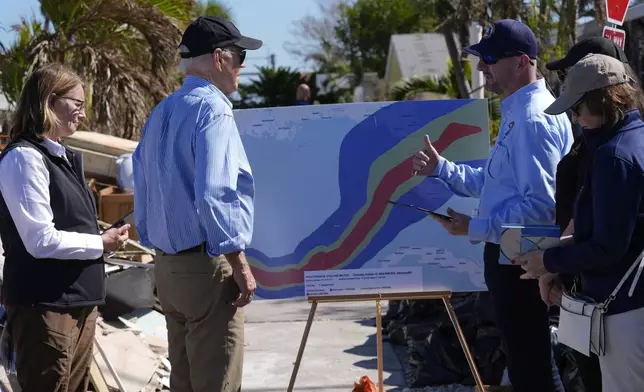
445	296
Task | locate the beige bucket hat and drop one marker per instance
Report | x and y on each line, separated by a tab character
592	72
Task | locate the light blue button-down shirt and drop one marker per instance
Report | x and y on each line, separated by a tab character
517	184
192	180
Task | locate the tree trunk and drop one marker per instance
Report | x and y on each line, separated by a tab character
461	81
600	12
571	17
561	28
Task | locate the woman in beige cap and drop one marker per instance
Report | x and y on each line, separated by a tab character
608	230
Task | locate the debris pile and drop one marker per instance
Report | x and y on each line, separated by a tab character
431	348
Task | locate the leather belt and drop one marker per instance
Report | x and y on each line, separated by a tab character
201	248
195	249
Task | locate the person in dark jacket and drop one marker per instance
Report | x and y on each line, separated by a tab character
572	169
608	234
54	273
571	173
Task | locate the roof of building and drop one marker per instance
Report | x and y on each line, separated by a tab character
420	54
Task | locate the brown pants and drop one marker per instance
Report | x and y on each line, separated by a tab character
53	347
205	331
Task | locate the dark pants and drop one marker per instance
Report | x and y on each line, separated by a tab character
53	347
589	371
522	319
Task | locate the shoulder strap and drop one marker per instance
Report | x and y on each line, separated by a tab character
638	261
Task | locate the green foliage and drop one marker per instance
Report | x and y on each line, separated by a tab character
494	112
364	30
125	50
444	85
273	87
212	8
13	60
408	88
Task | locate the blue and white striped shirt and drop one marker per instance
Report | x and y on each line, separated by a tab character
192	180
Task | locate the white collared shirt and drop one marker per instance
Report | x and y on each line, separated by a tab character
24	184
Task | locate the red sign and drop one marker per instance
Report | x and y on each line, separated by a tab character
616	11
617	35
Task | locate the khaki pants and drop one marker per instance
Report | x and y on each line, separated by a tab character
205	331
53	347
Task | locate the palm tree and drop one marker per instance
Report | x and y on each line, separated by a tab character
126	51
273	87
212	8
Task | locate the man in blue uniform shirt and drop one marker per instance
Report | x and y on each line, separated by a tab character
517	185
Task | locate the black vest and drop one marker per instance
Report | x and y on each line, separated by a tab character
52	282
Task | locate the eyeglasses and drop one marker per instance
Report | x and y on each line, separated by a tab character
576	108
80	105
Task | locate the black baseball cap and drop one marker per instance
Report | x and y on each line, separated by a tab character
505	38
207	33
595	45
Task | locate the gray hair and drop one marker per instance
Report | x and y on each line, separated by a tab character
189	64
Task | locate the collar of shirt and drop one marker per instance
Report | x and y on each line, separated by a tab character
55	148
598	136
519	96
192	81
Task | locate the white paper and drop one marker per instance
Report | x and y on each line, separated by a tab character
363	281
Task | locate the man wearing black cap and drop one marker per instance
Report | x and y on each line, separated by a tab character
516	186
599	45
193	197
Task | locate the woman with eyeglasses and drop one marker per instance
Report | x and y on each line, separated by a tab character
54	274
608	235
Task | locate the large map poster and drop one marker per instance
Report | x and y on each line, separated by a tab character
324	175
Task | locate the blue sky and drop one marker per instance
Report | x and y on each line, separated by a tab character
269	20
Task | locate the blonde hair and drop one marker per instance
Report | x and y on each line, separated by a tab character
34	115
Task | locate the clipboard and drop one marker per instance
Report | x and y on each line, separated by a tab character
426	211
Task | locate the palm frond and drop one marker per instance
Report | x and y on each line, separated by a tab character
406	88
126	50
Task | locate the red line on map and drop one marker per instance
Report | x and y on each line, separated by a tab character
387	186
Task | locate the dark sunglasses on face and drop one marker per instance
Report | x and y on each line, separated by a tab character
490	59
241	53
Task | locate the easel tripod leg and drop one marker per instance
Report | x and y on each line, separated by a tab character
379	344
300	352
464	345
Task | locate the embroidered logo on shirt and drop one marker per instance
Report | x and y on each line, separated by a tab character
510	126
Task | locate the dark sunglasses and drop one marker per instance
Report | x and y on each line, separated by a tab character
489	60
242	56
241	53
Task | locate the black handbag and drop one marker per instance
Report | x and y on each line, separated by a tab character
128	290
